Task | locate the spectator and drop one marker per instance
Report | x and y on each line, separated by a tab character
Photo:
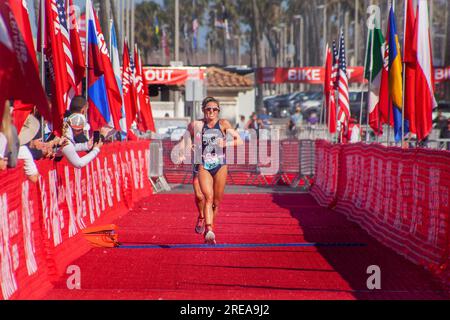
354	131
241	123
78	105
73	126
3	146
10	132
265	118
446	133
255	124
440	122
295	122
313	119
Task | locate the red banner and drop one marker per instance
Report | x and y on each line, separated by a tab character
40	229
172	76
400	197
316	75
312	75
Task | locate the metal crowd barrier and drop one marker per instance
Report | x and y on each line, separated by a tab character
156	167
296	158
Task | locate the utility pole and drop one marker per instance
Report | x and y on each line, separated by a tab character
356	31
259	52
209	50
177	52
127	16
104	18
177	30
132	22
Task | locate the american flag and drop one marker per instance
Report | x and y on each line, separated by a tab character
59	7
334	69
79	62
344	107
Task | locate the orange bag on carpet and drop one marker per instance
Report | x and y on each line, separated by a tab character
102	236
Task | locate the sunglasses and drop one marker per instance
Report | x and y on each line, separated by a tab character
212	109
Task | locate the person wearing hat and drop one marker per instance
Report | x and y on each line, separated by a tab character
74	125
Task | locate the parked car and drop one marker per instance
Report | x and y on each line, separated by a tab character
355	104
310	102
278	106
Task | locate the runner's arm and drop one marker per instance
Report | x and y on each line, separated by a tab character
237	141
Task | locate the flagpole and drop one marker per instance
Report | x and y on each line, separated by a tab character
86	44
389	95
403	76
370	80
362	98
43	60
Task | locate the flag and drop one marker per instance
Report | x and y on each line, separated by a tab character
395	78
111	113
335	67
58	53
98	112
82	31
374	68
79	64
129	99
117	73
384	102
328	88
156	25
144	116
20	18
424	89
9	64
343	100
409	59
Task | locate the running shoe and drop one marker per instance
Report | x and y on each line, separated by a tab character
200	227
210	238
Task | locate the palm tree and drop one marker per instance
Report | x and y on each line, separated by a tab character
145	35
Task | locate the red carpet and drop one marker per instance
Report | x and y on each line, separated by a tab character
269	272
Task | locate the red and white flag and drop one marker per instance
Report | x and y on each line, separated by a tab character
19	75
79	62
424	90
129	96
409	58
58	53
343	99
144	115
328	88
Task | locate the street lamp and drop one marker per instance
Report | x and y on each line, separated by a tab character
324	7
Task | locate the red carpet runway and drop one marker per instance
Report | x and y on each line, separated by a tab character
270	246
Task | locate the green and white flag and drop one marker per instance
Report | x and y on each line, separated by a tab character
374	70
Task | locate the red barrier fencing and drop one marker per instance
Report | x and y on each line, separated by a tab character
399	196
40	224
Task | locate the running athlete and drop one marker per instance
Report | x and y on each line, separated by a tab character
210	169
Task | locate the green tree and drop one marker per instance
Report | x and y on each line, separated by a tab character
144	31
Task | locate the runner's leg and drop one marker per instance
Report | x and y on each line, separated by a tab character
200	203
220	180
206	183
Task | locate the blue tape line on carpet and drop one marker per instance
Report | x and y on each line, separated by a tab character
241	245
